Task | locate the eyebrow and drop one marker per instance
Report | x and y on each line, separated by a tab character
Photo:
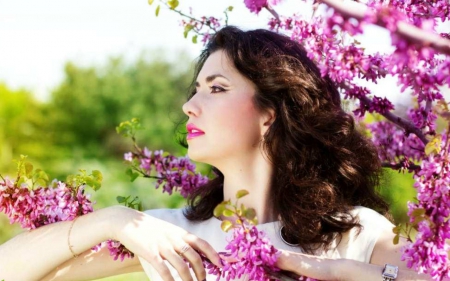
211	78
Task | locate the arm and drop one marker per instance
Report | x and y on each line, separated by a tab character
41	250
339	269
351	270
86	266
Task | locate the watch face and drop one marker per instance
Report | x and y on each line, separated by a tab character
390	271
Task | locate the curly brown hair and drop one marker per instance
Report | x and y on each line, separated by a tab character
322	165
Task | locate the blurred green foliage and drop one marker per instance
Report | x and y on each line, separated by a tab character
75	129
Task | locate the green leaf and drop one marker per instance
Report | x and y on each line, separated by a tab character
228	213
97	175
28	169
150	2
20	181
187	28
434	146
129	172
418	212
396	229
134	176
218	210
241	193
396	239
173	4
121	199
93	183
226	225
253	221
40	177
250	214
157	10
129	128
194	39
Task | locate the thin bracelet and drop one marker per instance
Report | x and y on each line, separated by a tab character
68	238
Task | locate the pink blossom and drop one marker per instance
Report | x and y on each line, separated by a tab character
171	173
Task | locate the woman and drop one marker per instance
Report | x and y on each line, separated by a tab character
264	118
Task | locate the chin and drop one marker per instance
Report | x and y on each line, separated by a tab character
200	157
195	156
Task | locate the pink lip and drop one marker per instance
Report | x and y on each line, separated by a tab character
191	127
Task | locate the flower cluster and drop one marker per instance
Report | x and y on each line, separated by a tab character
250	253
420	70
254	255
423	119
255	6
429	252
198	26
172	173
33	207
393	144
116	249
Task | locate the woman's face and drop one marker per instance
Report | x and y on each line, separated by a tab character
223	110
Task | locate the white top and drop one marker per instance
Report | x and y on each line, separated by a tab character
352	246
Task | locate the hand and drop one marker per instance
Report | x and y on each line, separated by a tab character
156	240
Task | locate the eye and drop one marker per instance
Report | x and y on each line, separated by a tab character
216	89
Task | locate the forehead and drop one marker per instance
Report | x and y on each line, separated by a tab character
218	63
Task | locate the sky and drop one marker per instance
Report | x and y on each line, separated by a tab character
38	37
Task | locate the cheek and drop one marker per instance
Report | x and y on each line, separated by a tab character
240	121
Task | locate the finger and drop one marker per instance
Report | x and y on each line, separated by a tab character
160	266
227	257
178	263
203	247
196	263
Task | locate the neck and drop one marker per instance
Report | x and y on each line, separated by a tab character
253	174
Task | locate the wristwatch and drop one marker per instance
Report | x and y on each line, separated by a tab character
389	272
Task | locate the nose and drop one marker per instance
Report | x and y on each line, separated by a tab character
190	108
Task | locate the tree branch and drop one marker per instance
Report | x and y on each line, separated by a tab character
405	124
398	166
407	31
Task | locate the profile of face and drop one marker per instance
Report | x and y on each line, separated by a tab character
223	109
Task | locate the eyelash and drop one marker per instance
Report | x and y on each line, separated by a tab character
220	89
216	88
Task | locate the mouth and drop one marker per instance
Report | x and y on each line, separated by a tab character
193	131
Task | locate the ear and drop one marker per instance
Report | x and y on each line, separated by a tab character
267	119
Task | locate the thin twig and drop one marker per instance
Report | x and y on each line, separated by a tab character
398	166
208	24
273	12
407	31
405	124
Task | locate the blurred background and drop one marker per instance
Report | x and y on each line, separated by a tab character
71	71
